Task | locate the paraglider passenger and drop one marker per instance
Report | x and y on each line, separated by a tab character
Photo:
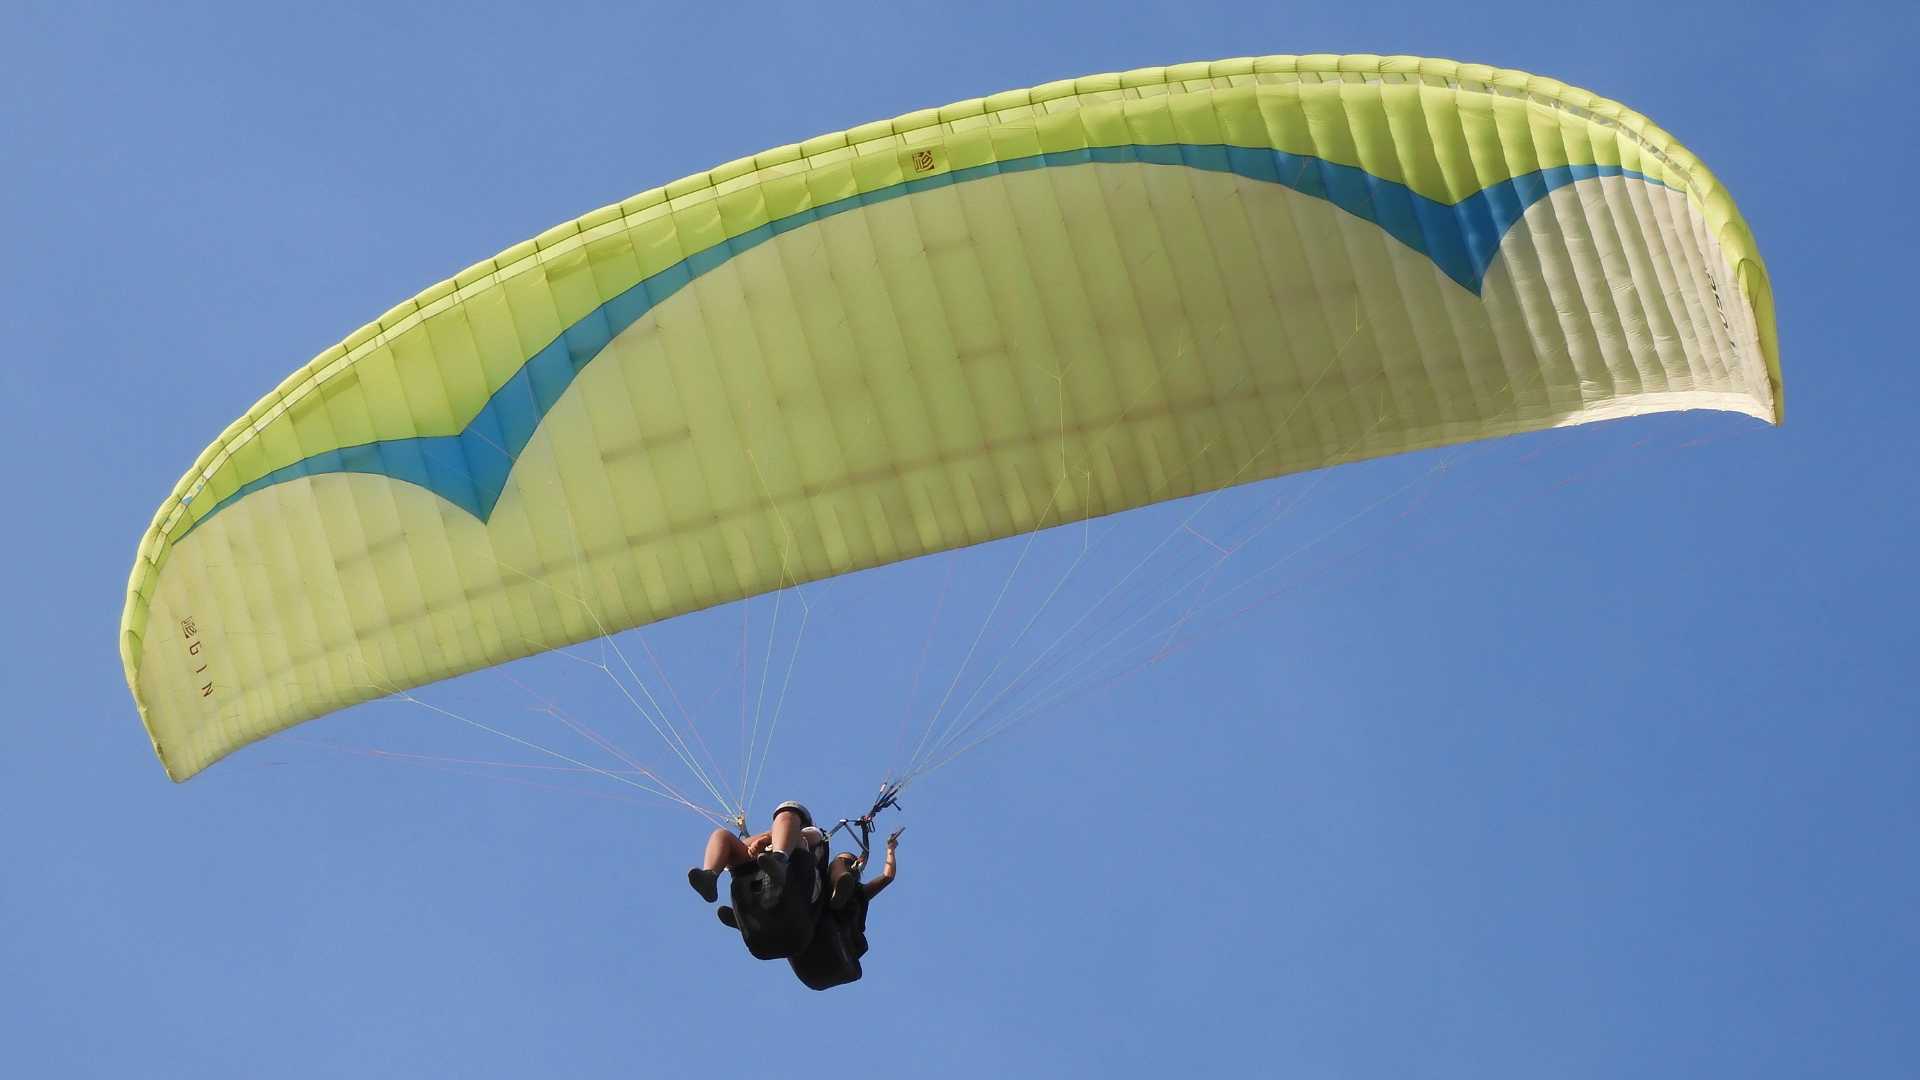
774	879
833	957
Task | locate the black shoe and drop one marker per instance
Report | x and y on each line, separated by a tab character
705	882
726	916
774	865
844	890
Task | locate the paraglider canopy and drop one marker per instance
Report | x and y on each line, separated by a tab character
958	325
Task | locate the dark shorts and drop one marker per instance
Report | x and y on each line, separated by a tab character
785	927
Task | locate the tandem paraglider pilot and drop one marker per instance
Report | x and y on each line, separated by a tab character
791	900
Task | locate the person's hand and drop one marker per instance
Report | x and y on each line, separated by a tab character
759	844
893	841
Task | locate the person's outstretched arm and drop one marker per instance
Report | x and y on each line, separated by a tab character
885	877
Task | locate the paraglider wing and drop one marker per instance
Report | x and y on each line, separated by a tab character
921	334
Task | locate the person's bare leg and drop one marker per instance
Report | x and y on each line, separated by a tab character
723	850
783	839
786	830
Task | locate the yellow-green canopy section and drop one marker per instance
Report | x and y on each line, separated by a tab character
929	332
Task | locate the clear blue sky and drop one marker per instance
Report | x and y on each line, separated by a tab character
1592	755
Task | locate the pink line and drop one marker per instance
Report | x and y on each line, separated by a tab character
678	704
442	765
1190	529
